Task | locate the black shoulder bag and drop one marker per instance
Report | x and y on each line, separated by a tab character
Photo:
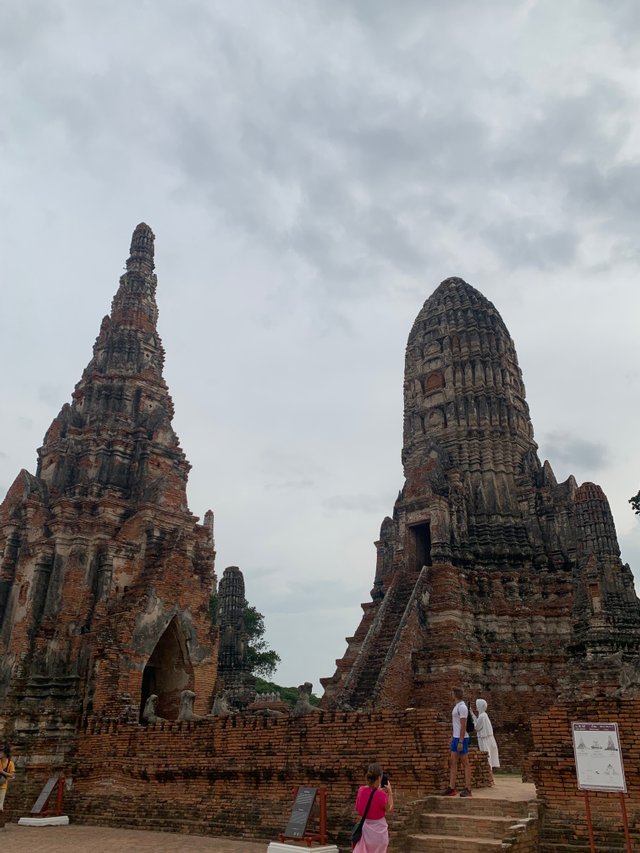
356	833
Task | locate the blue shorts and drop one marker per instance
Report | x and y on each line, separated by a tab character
465	745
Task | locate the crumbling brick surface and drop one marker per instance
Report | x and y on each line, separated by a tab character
235	776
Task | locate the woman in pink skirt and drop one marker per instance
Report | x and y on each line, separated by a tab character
375	832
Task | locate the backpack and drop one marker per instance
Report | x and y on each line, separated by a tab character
471	727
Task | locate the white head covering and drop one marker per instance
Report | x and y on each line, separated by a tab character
481	705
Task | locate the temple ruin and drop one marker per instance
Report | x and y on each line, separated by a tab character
105	574
489	573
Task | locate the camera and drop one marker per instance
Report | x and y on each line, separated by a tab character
385	780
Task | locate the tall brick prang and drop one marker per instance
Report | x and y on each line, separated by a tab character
105	574
490	573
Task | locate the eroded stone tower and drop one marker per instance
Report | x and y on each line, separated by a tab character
105	574
489	574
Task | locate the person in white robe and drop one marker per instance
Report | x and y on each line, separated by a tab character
484	731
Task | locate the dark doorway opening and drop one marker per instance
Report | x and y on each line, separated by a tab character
421	534
168	672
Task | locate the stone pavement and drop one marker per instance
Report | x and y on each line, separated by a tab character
508	786
102	839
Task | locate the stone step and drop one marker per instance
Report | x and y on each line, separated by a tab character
476	806
421	843
577	848
476	826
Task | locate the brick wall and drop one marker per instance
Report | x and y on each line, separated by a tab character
235	776
553	770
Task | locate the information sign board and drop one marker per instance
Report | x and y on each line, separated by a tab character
599	764
300	813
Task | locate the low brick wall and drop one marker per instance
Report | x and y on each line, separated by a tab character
235	776
553	770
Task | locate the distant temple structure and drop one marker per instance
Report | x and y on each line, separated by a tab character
105	574
490	574
234	672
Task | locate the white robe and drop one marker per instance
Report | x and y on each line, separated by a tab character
484	731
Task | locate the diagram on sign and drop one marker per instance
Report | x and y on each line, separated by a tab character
598	767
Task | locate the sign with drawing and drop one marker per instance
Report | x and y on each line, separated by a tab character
598	757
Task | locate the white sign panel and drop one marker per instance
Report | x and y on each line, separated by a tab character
598	757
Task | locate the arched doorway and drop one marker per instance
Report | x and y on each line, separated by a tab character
168	672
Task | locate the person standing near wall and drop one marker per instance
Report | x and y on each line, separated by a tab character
373	802
459	748
486	740
7	773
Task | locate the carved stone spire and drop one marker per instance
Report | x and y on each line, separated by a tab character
489	574
462	379
117	432
467	430
105	575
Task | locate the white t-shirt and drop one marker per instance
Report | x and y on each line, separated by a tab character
460	712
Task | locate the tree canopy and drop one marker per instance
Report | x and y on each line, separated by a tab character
635	503
261	659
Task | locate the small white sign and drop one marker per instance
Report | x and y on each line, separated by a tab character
596	747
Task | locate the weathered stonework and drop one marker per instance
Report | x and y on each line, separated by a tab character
490	574
105	574
234	677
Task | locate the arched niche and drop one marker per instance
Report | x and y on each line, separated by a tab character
168	672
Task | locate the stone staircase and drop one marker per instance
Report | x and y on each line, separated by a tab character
380	637
482	825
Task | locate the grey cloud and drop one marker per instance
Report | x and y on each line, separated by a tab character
573	450
358	175
355	503
291	485
527	241
312	596
51	395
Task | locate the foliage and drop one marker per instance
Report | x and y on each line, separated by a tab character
261	659
287	694
635	503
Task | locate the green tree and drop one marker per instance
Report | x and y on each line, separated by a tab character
635	503
287	694
261	659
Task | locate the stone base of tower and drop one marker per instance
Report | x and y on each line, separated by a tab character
500	635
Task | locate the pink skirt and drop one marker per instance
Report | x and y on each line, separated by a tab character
375	837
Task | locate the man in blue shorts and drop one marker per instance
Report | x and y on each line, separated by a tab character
459	745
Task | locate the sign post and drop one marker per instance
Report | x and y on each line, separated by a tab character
304	799
599	767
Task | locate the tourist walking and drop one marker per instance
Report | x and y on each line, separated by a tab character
7	773
484	730
373	802
459	748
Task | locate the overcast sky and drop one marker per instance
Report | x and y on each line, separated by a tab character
312	171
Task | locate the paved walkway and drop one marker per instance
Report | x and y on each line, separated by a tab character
102	839
508	787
